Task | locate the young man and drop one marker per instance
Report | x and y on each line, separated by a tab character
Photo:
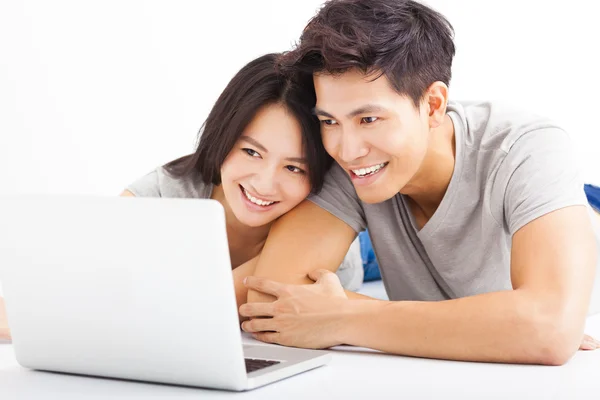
476	211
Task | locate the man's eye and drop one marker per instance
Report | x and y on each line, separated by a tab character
369	120
251	153
294	169
328	121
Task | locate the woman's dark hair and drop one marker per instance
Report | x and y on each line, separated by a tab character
408	42
256	85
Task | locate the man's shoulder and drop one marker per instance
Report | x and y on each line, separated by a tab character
339	197
494	125
337	178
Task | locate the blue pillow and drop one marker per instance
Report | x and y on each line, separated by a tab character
370	264
593	195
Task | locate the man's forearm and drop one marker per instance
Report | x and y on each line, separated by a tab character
257	297
495	327
357	296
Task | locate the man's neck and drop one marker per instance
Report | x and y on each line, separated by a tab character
429	185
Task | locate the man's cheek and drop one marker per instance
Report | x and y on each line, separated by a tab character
330	147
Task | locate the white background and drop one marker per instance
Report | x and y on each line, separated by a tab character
93	94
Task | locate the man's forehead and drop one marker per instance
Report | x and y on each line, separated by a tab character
352	75
350	95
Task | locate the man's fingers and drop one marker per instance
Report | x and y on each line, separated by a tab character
267	337
263	285
589	343
257	310
259	325
319	274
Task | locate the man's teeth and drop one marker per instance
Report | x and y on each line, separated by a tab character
257	201
368	171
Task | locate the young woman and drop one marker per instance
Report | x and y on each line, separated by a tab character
259	154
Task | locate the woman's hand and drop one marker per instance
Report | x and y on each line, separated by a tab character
4	331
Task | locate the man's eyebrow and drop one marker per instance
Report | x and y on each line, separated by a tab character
366	109
318	111
299	160
253	142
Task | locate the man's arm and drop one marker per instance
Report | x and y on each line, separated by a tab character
249	268
540	321
304	239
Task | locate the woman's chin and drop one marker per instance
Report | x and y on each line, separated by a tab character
255	220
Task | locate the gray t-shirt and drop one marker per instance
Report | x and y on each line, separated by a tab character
159	183
511	168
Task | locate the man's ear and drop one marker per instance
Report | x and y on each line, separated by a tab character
435	101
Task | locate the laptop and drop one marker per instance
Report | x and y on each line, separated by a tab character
130	288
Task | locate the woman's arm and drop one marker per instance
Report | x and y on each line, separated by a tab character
4	330
239	274
303	240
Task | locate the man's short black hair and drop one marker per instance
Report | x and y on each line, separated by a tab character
408	42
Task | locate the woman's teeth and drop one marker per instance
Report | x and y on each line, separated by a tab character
368	171
255	200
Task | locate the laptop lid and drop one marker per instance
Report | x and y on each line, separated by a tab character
134	288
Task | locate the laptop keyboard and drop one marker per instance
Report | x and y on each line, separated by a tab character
254	364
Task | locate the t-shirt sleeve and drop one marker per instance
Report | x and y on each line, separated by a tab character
146	186
542	175
340	199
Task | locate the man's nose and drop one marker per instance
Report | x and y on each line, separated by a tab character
351	147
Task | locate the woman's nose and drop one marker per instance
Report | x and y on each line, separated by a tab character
265	182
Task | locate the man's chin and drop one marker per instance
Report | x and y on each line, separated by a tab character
374	196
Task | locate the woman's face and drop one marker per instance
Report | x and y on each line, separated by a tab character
265	175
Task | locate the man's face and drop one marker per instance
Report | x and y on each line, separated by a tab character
378	136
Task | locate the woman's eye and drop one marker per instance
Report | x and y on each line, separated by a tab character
369	120
251	153
294	169
328	121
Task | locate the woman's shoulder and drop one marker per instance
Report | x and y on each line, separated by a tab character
162	183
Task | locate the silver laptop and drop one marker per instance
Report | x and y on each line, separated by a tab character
131	288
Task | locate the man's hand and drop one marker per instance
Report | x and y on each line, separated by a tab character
308	315
4	331
589	343
302	316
